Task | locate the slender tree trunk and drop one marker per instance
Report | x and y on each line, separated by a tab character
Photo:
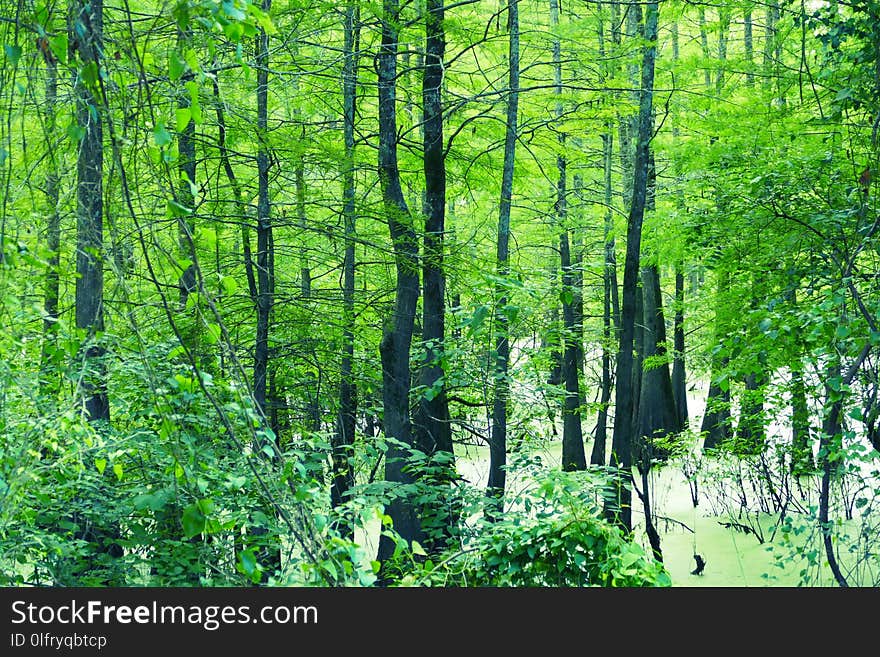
433	412
609	310
87	33
573	457
748	43
501	386
398	331
622	441
679	378
434	431
723	29
49	379
610	299
264	225
830	459
343	439
186	148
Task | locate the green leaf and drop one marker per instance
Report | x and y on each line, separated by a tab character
161	136
193	520
100	464
418	549
229	285
248	561
175	209
176	66
182	118
117	470
212	333
195	107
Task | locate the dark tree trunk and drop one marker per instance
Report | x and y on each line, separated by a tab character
622	442
186	147
264	226
434	431
610	300
679	378
748	44
398	331
716	420
343	438
270	552
658	417
49	378
573	457
87	39
501	385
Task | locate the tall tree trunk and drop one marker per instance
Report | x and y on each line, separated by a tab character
49	379
573	457
87	33
186	166
86	39
679	378
610	299
270	554
264	224
501	385
716	418
748	43
343	438
398	331
622	441
434	431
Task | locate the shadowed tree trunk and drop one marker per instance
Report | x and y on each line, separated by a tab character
573	457
501	385
434	431
679	378
49	378
397	334
610	300
619	509
716	420
270	554
87	40
343	437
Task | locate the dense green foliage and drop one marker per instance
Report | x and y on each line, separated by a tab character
761	198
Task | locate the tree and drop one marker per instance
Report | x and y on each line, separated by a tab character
398	331
501	384
623	438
